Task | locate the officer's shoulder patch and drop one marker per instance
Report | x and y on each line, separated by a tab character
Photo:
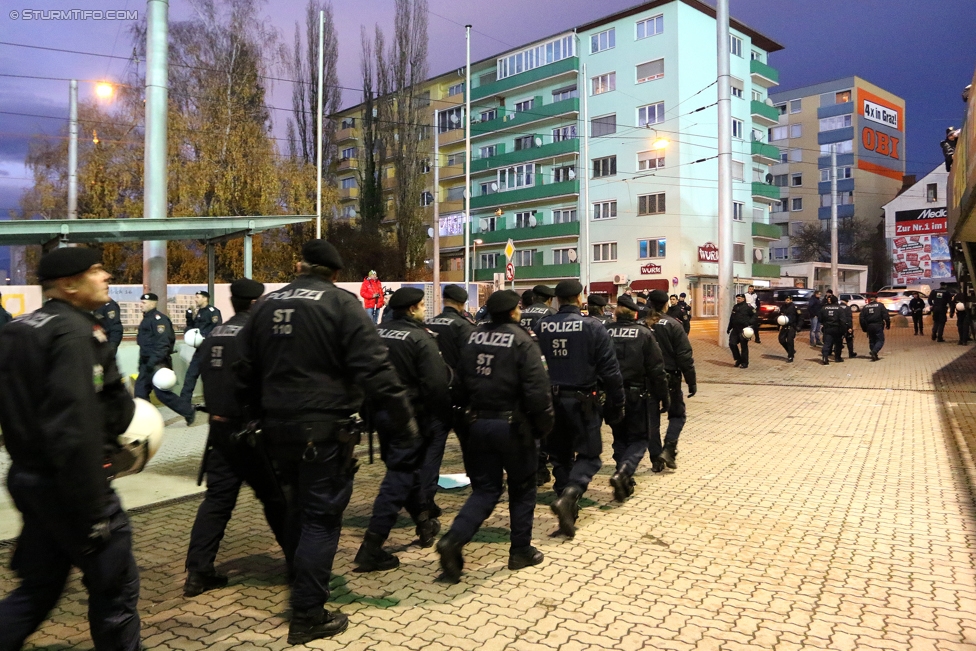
214	318
161	328
159	316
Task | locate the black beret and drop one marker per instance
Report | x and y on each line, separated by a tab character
321	253
658	297
528	296
455	293
598	300
568	288
627	302
544	290
406	297
740	295
502	302
67	261
203	292
148	296
682	295
246	288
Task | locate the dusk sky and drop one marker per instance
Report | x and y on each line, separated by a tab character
924	51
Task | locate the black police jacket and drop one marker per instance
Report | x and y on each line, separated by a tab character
419	365
206	319
790	312
62	405
310	347
604	319
833	317
741	317
939	300
675	312
452	331
110	316
874	314
532	314
675	348
156	339
848	316
501	370
217	356
916	305
639	356
579	353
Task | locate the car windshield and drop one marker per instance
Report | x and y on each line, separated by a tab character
887	294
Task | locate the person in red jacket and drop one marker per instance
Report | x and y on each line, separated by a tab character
372	292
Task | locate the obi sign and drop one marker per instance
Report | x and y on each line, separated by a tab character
650	269
708	252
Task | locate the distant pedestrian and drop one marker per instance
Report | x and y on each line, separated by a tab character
874	321
813	312
372	292
752	298
787	332
849	335
917	308
963	317
739	320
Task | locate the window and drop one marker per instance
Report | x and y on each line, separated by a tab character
604	166
836	122
795	228
757	96
426	199
456	193
842	173
735	46
524	142
539	55
489	224
796	105
843	199
784	156
350	211
736	91
564	133
738	171
517	176
564	94
757	175
603	126
455	159
782	205
796	130
650	27
796	180
425	167
781	253
650	70
605	40
797	203
604	83
653	248
649	160
780	180
738	252
488	116
605	252
795	253
564	173
737	211
781	108
605	210
450	119
563	256
348	183
524	105
348	123
488	151
796	155
778	133
932	192
652	114
842	97
650	204
524	257
843	147
456	89
564	216
756	56
348	153
737	129
759	215
489	260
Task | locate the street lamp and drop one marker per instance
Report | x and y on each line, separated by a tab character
474	254
104	89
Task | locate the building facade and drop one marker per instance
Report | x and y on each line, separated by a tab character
917	232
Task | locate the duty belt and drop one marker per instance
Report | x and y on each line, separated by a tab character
484	414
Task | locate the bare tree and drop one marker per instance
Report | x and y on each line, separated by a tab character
371	205
854	236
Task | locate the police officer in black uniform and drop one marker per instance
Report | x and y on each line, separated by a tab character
679	361
834	322
528	298
62	405
509	409
874	320
917	307
849	335
686	312
939	301
646	388
594	307
963	317
581	361
787	333
110	316
741	318
307	353
422	370
232	456
541	306
207	318
156	340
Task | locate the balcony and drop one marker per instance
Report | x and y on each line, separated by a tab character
764	154
389	183
346	194
517	119
348	164
450	137
769	232
760	270
545	231
448	207
846	210
552	150
538	192
765	193
349	133
452	171
764	114
503	86
762	74
534	272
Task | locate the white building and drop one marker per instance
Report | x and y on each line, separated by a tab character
917	234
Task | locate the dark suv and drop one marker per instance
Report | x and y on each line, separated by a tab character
772	299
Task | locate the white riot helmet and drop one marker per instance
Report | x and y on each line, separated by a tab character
748	332
782	319
960	307
141	440
164	379
193	338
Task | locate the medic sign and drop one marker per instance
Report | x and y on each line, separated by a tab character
650	269
926	221
708	252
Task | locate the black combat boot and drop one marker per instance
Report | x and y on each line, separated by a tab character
427	529
669	454
200	582
874	356
566	508
434	510
621	485
371	556
524	557
452	562
657	464
315	624
825	362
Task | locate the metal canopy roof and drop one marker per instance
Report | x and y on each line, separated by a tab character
209	229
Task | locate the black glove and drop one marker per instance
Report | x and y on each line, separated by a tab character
692	390
542	422
665	404
98	536
613	414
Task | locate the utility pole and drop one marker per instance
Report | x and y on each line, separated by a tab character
73	149
154	191
467	158
318	141
584	254
833	220
725	264
437	222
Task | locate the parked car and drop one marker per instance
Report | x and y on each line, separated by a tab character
772	300
855	301
896	300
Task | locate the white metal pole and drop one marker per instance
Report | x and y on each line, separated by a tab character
833	220
73	149
318	143
154	273
725	262
584	170
467	158
437	222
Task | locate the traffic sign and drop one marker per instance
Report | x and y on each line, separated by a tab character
509	250
510	271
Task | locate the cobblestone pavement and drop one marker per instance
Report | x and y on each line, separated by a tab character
814	507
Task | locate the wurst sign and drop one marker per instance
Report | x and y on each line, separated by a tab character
708	252
926	221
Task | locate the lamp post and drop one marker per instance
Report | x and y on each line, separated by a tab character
104	91
474	254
